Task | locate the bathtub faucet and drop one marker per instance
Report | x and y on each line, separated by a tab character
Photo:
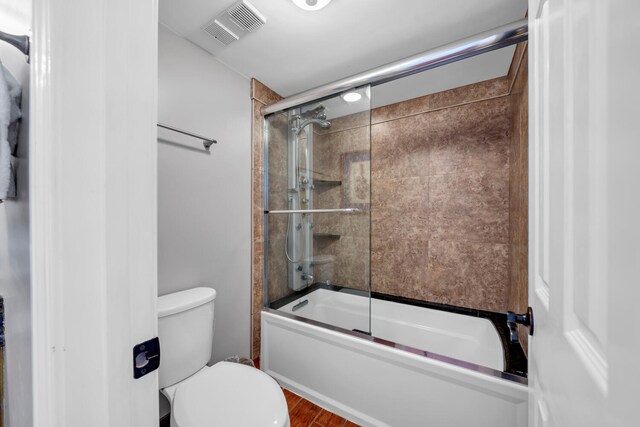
513	319
307	277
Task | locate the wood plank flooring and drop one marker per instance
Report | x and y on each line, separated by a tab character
303	413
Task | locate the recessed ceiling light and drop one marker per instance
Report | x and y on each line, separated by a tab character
352	96
311	4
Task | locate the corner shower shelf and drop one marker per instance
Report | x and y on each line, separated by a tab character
326	183
330	236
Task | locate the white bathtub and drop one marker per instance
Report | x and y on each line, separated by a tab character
466	338
455	380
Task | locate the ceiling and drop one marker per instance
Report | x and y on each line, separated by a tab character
297	50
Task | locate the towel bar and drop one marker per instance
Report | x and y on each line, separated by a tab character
207	142
19	42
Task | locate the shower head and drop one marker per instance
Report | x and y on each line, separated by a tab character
324	124
316	113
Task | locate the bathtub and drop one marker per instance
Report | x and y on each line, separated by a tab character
421	366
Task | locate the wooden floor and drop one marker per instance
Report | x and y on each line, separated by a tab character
303	413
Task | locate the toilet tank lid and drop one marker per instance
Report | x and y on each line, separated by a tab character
184	300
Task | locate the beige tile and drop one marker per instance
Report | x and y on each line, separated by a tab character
346	225
351	267
262	93
403	200
275	252
278	141
255	335
466	274
473	137
348	140
517	62
277	191
257	291
401	109
329	197
400	148
257	132
470	93
257	219
399	265
469	207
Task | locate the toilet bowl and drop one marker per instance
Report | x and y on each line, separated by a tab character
225	394
229	394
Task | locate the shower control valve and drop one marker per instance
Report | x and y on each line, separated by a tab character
513	319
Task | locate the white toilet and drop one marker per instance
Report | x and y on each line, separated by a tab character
226	394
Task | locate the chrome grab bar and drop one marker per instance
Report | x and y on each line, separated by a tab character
310	211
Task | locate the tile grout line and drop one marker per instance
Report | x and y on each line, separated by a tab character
445	107
299	400
417	113
461	172
517	70
316	417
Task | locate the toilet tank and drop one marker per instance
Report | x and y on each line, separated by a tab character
185	330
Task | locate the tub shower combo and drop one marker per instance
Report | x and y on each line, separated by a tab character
377	359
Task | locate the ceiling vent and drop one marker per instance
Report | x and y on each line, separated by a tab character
238	20
220	32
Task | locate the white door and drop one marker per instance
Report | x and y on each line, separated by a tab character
585	212
93	211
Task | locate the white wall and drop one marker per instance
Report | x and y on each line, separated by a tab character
15	276
204	198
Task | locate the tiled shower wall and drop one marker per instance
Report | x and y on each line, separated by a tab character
518	189
440	197
448	202
277	136
260	97
347	138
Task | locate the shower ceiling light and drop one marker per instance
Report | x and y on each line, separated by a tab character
352	96
311	4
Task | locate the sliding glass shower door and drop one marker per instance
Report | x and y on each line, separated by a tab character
317	213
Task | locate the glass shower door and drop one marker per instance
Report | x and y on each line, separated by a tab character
317	228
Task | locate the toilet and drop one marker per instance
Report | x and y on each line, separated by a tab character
225	394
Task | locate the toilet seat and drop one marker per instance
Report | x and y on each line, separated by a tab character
229	395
